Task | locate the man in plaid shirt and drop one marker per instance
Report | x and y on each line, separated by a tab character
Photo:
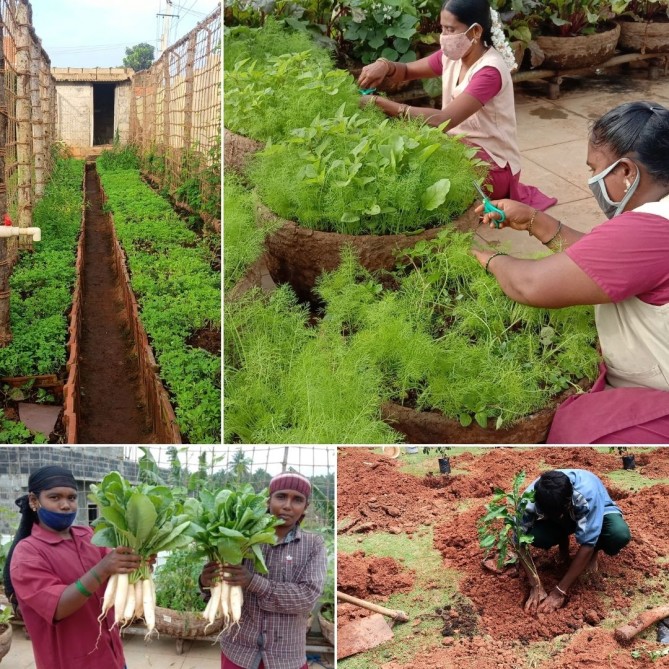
272	629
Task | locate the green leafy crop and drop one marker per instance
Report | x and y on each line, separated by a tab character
179	294
43	280
358	174
230	526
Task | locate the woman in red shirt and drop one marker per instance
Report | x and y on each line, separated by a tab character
55	576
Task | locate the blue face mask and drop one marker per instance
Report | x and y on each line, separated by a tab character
606	204
56	521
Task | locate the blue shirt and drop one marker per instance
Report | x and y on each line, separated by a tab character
590	503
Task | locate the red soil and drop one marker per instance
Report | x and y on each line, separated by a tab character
362	576
371	490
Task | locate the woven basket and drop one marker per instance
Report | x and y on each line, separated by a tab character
237	150
644	37
5	640
185	625
432	427
327	629
569	53
298	255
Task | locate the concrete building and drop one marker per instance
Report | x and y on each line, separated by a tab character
93	106
88	464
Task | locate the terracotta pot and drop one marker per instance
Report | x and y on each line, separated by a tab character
298	255
644	37
5	640
237	150
569	53
327	629
432	427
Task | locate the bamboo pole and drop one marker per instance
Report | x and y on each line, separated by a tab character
23	118
166	104
188	96
5	265
39	143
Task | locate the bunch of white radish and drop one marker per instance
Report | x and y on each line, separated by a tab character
228	528
148	519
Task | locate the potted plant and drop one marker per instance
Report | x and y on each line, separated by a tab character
627	455
444	460
572	34
500	529
514	16
5	631
644	25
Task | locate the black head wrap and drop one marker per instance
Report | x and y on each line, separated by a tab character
41	479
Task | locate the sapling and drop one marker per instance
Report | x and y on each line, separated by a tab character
501	528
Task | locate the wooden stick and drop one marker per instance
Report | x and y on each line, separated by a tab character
399	616
641	622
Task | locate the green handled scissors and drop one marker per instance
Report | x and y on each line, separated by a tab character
489	207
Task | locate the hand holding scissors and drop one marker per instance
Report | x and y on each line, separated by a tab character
489	207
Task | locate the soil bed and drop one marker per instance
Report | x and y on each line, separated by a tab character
486	626
112	408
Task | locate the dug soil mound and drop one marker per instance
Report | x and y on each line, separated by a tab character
371	488
363	576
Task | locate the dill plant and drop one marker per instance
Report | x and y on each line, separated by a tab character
272	39
243	239
448	338
364	174
286	383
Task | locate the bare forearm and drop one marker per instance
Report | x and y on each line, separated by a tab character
73	598
552	233
434	117
577	566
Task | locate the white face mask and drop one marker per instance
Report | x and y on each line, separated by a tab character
606	204
456	46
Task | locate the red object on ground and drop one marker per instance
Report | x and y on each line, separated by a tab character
7	220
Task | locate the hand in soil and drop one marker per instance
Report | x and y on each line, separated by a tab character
537	595
553	602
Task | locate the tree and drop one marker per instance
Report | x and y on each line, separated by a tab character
240	465
139	57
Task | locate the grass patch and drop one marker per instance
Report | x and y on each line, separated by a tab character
419	554
541	651
632	480
419	464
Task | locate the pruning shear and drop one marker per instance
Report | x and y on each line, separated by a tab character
366	91
489	207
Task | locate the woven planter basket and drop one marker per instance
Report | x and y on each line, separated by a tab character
432	427
237	150
327	629
644	37
185	625
298	255
569	53
5	640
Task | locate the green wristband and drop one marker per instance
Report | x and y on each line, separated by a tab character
80	587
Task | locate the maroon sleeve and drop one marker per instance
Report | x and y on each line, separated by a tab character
485	84
435	62
627	257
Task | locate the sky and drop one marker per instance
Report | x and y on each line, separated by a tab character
95	33
308	460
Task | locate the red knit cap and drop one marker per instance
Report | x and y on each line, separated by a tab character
290	481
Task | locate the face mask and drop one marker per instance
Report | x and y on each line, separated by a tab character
606	204
56	521
456	46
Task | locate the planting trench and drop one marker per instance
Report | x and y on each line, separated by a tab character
375	496
113	394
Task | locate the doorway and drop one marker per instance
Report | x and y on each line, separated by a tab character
103	113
